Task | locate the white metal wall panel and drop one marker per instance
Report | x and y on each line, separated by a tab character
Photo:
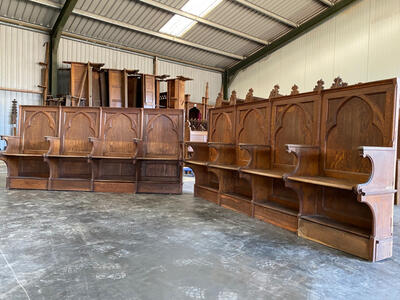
6	98
20	53
360	44
196	88
72	50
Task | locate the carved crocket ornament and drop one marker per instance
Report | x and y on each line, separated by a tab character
338	82
295	90
320	86
220	98
249	96
275	92
232	99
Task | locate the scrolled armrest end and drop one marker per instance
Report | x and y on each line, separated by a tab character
307	159
54	148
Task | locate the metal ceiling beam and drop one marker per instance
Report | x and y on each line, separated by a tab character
204	21
268	13
326	2
55	35
289	37
164	36
43	29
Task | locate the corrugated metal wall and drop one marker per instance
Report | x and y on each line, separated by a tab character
73	50
196	88
361	43
20	52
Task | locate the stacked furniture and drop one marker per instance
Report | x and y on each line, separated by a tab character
321	164
96	149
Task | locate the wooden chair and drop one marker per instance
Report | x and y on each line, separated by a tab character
113	154
24	153
68	154
160	153
346	186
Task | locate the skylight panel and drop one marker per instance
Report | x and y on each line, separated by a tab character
178	25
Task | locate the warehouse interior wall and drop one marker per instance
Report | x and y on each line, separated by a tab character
360	44
20	73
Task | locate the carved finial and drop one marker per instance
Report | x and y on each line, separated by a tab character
14	112
232	99
320	86
220	98
338	82
275	92
295	90
249	96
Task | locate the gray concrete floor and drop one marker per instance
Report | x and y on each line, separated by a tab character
70	245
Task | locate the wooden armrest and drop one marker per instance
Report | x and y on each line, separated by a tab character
259	155
307	159
97	147
383	169
54	148
226	153
139	147
200	150
13	143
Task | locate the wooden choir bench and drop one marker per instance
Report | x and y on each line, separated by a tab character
321	164
96	149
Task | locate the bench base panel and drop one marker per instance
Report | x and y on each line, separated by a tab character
22	183
206	193
345	241
114	187
159	187
275	217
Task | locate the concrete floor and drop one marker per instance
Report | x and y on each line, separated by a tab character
69	245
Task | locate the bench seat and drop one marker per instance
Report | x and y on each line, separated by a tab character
273	173
344	184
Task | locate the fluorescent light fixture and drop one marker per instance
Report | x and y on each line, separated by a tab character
178	25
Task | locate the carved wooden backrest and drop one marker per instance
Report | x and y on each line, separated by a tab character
252	126
162	132
35	123
295	120
222	125
77	125
356	116
119	128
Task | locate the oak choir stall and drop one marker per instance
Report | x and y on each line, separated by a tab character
115	131
321	164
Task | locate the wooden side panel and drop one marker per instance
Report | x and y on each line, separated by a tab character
115	88
36	122
149	95
119	128
79	78
162	133
351	118
96	90
78	124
